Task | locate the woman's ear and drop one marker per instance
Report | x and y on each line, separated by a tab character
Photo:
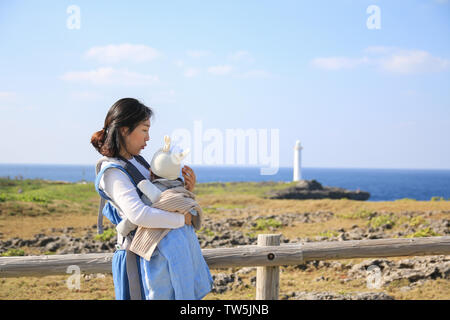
124	131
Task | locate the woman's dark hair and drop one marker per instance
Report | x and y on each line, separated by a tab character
126	112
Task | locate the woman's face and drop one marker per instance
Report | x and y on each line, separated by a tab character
137	139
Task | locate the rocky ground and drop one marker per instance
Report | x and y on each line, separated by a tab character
227	232
312	189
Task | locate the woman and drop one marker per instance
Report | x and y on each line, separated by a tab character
176	269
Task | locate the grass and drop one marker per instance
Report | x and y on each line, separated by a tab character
385	221
437	199
241	188
107	235
43	205
207	232
329	234
360	213
266	224
425	232
13	253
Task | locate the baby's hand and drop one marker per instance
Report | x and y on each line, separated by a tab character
188	219
152	176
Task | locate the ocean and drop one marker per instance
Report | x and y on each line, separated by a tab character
383	184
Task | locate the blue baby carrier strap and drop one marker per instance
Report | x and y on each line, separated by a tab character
105	208
126	274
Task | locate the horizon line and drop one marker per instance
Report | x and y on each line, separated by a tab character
231	166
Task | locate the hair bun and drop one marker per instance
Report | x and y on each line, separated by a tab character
98	139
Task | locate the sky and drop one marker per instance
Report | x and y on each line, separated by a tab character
362	84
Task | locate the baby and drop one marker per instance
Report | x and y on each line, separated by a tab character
166	192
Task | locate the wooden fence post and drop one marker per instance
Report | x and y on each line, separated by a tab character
268	278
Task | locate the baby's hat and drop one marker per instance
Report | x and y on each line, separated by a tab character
166	162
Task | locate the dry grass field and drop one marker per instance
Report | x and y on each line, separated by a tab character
31	207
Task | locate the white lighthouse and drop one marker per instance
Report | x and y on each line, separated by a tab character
297	161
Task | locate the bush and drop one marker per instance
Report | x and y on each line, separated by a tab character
359	214
416	221
264	224
426	232
207	232
329	234
386	220
107	235
13	252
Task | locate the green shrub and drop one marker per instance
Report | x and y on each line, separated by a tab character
210	209
207	232
359	214
329	234
437	199
13	252
33	198
417	221
107	235
383	220
264	224
425	232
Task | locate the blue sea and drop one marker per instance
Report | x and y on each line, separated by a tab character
383	184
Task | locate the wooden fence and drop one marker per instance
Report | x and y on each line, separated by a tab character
268	255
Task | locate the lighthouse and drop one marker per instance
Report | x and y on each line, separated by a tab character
297	161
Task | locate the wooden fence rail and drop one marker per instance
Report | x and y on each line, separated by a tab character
261	255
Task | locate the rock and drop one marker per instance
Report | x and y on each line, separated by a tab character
44	240
224	282
416	270
305	189
305	295
68	230
309	185
246	270
52	246
321	278
88	277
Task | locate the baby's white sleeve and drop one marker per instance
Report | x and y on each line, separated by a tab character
118	186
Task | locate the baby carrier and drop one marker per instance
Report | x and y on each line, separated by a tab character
127	284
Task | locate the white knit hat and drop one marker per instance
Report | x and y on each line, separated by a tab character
167	164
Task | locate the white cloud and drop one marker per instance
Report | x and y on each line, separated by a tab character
197	53
390	59
338	63
413	61
241	55
220	70
110	76
122	52
7	95
191	72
